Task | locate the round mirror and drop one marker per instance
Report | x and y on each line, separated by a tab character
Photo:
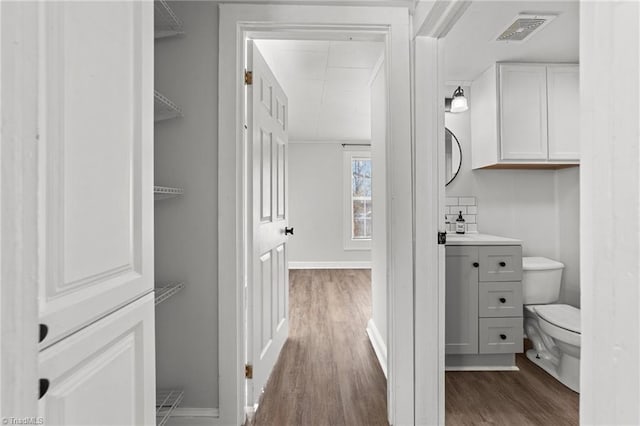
453	156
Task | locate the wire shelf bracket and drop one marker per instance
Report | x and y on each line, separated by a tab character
163	292
164	108
166	23
167	401
164	192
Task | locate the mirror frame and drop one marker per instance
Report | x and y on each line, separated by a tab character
446	129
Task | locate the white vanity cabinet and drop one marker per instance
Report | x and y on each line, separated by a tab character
525	116
483	314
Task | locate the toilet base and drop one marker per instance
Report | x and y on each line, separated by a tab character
566	370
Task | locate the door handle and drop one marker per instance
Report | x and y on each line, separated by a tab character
288	231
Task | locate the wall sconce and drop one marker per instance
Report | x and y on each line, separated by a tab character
459	102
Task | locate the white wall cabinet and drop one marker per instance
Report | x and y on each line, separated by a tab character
525	116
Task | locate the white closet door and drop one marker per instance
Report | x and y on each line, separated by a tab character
103	375
563	87
523	112
96	165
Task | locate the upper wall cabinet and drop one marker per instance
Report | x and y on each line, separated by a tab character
525	116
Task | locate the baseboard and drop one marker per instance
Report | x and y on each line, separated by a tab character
483	368
378	345
183	416
329	265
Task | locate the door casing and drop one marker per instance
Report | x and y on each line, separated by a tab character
392	26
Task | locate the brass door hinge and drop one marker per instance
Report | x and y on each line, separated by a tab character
248	371
248	78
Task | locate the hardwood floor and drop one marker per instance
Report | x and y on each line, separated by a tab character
526	397
327	373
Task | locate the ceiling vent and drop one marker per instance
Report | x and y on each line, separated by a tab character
524	26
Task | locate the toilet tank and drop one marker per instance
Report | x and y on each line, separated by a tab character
541	278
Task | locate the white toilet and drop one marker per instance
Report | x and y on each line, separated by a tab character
554	329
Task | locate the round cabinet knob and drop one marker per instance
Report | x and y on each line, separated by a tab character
503	336
503	264
502	300
476	264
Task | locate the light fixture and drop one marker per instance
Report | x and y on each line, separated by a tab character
459	102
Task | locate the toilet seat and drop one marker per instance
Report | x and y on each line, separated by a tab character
563	316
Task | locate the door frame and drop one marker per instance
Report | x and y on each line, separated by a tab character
393	25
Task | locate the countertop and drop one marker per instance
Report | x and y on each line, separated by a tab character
477	239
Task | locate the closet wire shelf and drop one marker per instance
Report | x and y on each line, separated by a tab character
166	22
164	192
166	402
163	108
163	292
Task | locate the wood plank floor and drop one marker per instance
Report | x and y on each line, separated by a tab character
327	373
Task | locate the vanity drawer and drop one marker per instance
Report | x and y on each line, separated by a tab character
500	335
500	299
500	263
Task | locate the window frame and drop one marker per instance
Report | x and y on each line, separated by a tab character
348	241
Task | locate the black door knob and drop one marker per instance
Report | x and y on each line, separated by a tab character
503	336
476	264
44	330
44	387
502	300
288	231
503	264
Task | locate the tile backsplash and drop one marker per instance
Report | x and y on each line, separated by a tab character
468	205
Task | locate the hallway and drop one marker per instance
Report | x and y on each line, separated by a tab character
327	373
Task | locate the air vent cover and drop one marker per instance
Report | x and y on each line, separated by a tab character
524	26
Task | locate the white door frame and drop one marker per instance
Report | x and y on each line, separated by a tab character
236	20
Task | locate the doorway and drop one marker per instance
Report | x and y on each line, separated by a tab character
335	92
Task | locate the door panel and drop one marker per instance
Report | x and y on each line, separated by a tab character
268	296
104	374
461	309
563	87
96	137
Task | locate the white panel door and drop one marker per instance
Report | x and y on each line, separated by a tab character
523	112
103	375
563	97
269	288
96	168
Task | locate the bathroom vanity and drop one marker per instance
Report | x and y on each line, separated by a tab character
483	321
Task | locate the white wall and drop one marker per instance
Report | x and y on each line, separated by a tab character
378	182
186	155
316	205
540	207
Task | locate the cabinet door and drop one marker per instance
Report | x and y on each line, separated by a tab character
104	374
96	165
563	93
461	312
523	112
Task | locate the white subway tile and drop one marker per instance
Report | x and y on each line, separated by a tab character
458	209
467	201
472	210
452	201
472	227
469	218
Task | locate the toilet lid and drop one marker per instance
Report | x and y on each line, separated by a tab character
563	316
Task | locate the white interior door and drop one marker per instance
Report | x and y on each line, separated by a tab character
95	128
269	288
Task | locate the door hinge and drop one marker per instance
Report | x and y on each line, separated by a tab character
248	371
248	78
442	238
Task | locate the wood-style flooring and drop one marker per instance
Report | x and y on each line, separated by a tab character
328	374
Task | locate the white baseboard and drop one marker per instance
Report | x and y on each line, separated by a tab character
183	416
483	368
378	344
329	265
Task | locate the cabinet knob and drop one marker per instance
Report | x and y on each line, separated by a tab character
503	336
502	300
44	387
44	330
503	264
476	264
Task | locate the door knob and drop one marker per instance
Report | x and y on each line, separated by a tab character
288	231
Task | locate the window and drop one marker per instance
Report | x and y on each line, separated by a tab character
358	206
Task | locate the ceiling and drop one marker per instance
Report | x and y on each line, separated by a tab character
327	84
470	46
